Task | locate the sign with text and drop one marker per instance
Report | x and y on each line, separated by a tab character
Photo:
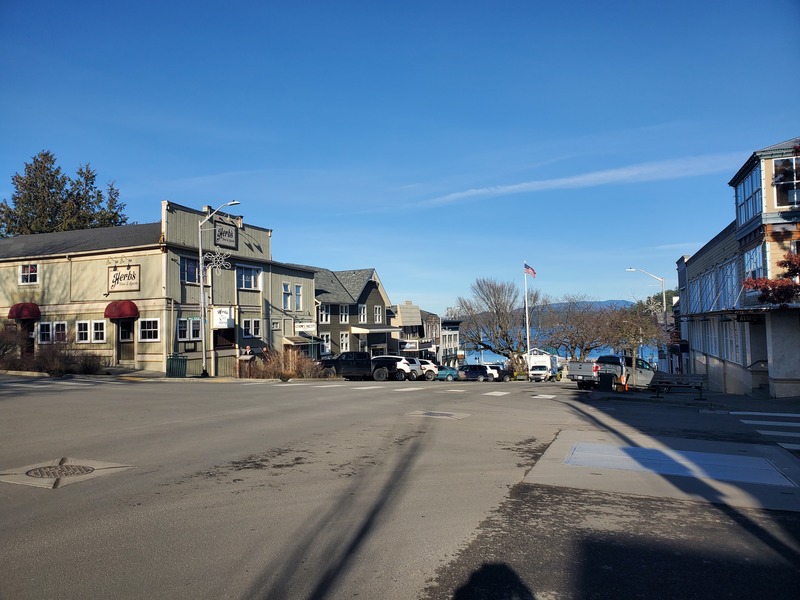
221	317
308	327
226	235
124	278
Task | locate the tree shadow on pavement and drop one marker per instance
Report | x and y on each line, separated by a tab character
335	538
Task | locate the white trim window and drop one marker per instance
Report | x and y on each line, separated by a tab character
298	296
344	342
708	284
344	313
694	296
190	270
247	278
150	330
276	325
731	342
29	274
362	313
189	330
45	332
378	314
98	332
53	332
82	329
325	313
754	262
326	342
287	296
711	336
787	182
728	285
748	197
251	328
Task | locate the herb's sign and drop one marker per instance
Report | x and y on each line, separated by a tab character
221	317
225	235
123	278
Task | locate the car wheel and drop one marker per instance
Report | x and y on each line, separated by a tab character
400	375
430	375
449	378
481	378
506	378
412	376
490	378
327	372
380	374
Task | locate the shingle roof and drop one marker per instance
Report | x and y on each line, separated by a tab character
339	287
84	240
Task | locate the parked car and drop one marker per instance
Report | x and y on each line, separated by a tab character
429	368
540	373
357	365
475	373
401	366
446	373
500	372
416	367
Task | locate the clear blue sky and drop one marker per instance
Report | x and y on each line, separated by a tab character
438	142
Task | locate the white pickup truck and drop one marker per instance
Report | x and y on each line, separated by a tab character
587	374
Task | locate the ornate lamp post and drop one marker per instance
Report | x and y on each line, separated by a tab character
204	372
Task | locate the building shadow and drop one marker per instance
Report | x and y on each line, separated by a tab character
494	581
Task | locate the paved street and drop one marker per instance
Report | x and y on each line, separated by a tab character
139	488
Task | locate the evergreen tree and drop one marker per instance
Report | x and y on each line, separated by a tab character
46	200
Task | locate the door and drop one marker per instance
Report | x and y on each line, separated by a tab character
125	348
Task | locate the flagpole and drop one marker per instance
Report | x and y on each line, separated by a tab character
527	325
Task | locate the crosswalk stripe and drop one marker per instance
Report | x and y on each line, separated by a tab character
368	387
789	446
779	433
450	391
496	394
409	389
745	413
778	423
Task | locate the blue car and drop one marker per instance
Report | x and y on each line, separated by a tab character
447	373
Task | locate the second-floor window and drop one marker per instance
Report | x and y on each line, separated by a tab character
190	270
287	297
29	274
298	296
379	314
188	329
362	313
787	181
251	328
324	313
247	278
344	313
748	197
754	263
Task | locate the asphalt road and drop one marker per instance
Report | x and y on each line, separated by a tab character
399	490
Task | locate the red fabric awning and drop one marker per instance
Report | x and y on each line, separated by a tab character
25	310
121	309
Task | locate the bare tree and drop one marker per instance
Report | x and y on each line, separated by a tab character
578	325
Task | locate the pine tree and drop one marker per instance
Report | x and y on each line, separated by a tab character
46	200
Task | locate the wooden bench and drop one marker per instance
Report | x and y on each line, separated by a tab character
664	382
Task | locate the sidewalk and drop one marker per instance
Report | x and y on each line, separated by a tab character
711	400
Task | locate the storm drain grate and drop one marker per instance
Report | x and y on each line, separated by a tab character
59	471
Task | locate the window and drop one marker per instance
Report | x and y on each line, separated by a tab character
251	328
45	333
324	313
754	263
728	285
190	270
731	341
82	332
188	330
362	313
711	337
276	326
787	181
709	290
149	330
60	332
748	197
98	332
298	296
50	333
344	313
28	274
326	342
344	342
247	278
287	296
379	314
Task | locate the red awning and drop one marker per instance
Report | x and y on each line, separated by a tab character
121	309
25	310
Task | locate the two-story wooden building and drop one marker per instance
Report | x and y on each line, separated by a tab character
131	294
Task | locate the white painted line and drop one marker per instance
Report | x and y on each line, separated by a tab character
546	396
255	383
496	394
779	433
409	389
450	391
330	385
776	423
789	446
764	414
369	387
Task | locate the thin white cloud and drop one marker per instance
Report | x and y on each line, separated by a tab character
654	171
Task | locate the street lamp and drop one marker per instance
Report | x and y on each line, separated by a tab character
663	299
204	372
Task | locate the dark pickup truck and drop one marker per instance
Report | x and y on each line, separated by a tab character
360	365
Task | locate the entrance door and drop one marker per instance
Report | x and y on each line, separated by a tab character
125	347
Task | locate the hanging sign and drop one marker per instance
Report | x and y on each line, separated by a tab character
123	278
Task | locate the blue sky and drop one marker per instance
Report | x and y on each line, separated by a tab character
438	142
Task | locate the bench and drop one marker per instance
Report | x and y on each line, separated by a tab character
664	382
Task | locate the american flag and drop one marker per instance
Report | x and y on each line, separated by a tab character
529	270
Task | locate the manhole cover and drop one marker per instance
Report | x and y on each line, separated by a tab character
59	471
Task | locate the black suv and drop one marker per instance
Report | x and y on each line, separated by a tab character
350	365
475	373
